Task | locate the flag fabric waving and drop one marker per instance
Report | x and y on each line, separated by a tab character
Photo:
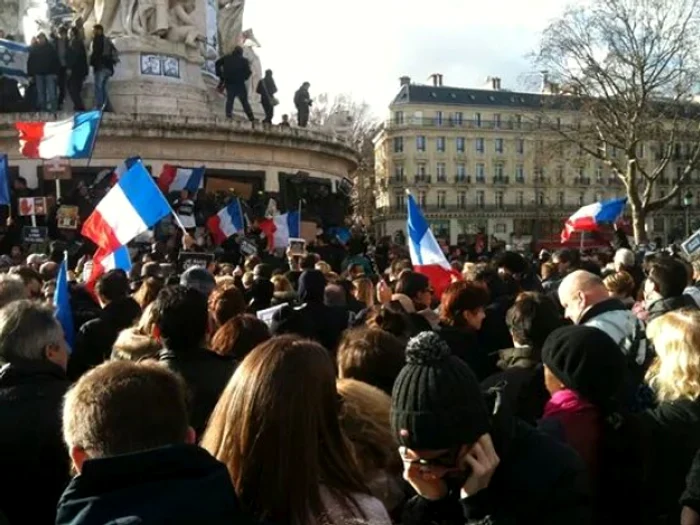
279	229
4	181
72	138
175	178
120	170
61	300
103	261
13	60
130	208
590	217
426	255
227	222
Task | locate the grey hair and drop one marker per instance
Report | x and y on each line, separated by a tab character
625	257
11	289
26	329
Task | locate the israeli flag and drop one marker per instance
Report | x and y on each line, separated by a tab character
13	60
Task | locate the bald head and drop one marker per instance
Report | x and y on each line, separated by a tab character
579	291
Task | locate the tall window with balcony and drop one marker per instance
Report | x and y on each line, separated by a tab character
398	173
422	198
460	144
560	174
421	172
560	199
420	143
438	118
398	118
480	173
477	120
461	172
440	143
582	175
480	198
441	172
520	174
599	174
497	120
399	202
479	145
499	145
540	198
520	146
498	172
520	199
441	199
499	199
458	118
558	122
398	144
462	199
581	198
518	121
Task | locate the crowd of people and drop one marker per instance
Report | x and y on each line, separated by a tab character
60	62
337	387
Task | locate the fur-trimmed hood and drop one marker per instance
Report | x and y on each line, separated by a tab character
132	345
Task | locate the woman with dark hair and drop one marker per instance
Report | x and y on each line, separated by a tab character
225	302
461	315
276	428
239	335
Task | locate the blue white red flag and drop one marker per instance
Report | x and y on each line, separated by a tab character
590	217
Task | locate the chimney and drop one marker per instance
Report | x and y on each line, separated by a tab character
405	81
439	75
496	83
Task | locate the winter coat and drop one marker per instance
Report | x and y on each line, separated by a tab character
94	343
266	88
373	510
664	306
76	58
131	345
33	457
522	383
43	60
494	334
173	484
465	344
538	480
206	375
302	100
233	69
691	494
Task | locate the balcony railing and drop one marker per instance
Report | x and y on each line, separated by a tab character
397	179
422	179
427	122
501	179
462	179
541	209
582	181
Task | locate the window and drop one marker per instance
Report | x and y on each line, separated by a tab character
599	174
560	174
499	199
540	198
599	196
398	199
460	143
560	199
480	198
498	170
462	199
518	121
520	199
398	118
421	169
613	152
520	174
438	118
398	172
398	144
581	198
441	199
496	120
461	171
420	143
459	118
480	172
479	145
499	145
520	146
440	144
440	172
421	198
581	172
477	120
558	122
499	227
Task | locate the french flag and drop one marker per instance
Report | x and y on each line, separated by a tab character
72	138
120	170
426	255
174	178
104	261
279	229
590	217
227	222
130	208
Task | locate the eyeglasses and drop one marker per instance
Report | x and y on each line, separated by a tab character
447	459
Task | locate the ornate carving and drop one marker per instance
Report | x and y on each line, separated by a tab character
230	24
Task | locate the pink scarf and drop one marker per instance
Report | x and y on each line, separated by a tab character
566	401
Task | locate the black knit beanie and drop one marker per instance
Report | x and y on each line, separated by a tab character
587	361
436	402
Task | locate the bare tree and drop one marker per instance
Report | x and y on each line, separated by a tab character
628	69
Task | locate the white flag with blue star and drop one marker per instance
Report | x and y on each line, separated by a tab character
13	59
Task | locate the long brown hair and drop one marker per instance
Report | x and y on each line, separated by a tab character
276	429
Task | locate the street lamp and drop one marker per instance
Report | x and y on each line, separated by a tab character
687	201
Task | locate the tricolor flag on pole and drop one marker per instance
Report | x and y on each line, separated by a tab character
426	255
103	261
174	178
279	229
72	138
227	222
130	208
590	217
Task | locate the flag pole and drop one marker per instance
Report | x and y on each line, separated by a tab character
300	201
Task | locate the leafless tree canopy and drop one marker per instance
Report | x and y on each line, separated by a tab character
630	69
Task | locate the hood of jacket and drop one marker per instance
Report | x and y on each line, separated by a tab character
133	345
312	284
663	306
173	484
518	357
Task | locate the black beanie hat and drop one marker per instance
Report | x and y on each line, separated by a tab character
436	402
587	361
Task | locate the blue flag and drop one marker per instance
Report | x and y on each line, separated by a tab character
61	300
4	181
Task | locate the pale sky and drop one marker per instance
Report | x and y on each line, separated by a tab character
362	47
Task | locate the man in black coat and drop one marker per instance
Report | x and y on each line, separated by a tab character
43	65
234	70
32	384
181	318
77	68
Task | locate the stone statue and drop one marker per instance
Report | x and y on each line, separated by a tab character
230	22
182	25
248	41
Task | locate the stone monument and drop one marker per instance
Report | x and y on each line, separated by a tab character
167	50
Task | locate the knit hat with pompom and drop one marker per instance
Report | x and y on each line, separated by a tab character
436	402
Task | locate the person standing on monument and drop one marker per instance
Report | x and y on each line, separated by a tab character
103	58
234	70
77	68
302	101
61	44
266	89
43	66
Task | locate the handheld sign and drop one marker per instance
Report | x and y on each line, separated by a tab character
692	244
297	246
67	217
266	315
187	260
32	206
35	234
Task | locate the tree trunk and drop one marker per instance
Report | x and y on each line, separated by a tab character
639	225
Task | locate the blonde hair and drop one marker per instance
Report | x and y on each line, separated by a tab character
620	284
547	270
364	291
282	284
323	267
676	372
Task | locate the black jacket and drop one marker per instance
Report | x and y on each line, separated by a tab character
76	58
32	455
174	484
206	375
466	345
94	343
43	60
233	69
538	481
664	306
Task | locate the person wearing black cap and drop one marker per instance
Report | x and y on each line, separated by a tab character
466	459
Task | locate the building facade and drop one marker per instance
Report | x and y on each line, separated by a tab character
481	160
